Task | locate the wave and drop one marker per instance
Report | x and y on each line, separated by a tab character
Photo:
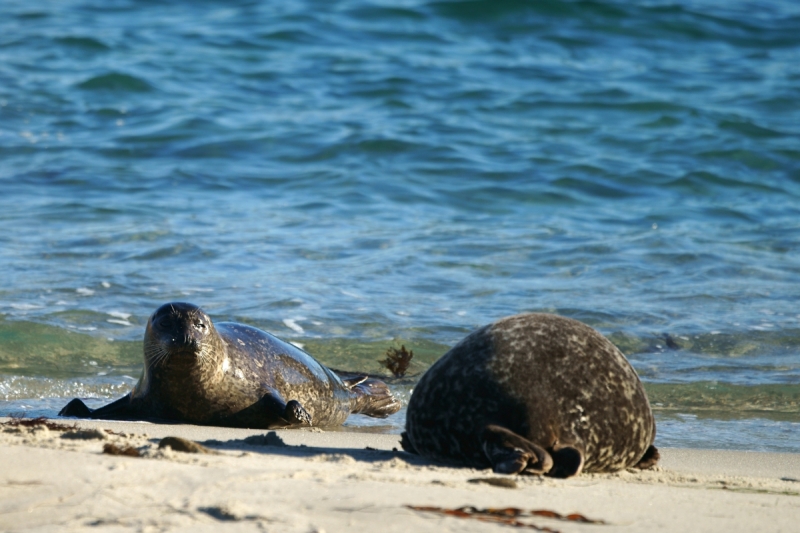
33	349
711	397
87	44
116	81
744	374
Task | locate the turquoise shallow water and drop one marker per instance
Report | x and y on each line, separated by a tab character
356	175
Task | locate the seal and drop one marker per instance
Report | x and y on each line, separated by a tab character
533	394
231	374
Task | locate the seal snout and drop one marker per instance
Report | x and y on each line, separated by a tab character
186	342
179	328
182	334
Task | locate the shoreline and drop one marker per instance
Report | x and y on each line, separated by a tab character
313	480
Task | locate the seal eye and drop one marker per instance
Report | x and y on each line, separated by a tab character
200	326
165	322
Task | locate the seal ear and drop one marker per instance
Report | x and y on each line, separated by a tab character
510	453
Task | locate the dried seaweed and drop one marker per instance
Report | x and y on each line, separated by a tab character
84	434
113	449
397	361
572	517
507	516
17	421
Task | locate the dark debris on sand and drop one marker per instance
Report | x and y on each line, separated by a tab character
18	421
113	449
509	516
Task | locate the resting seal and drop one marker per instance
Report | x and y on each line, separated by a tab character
533	394
231	374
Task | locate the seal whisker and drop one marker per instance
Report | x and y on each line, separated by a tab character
201	355
155	354
154	359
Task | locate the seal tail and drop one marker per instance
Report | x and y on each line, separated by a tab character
370	396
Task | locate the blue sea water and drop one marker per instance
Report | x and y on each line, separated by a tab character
355	175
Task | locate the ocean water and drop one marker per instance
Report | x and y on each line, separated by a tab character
356	175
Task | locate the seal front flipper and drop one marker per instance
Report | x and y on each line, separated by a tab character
76	408
405	442
510	453
295	414
291	412
269	412
649	459
117	410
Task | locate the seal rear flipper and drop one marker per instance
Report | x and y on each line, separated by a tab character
351	380
649	459
510	453
371	397
567	461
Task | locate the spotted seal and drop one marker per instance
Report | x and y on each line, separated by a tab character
533	394
231	374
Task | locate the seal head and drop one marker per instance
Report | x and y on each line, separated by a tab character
181	348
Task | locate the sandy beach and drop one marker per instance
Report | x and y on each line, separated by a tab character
313	481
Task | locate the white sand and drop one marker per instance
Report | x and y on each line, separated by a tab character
304	481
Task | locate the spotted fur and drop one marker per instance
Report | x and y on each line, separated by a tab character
553	381
231	374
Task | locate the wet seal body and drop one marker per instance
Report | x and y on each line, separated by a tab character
533	394
231	374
